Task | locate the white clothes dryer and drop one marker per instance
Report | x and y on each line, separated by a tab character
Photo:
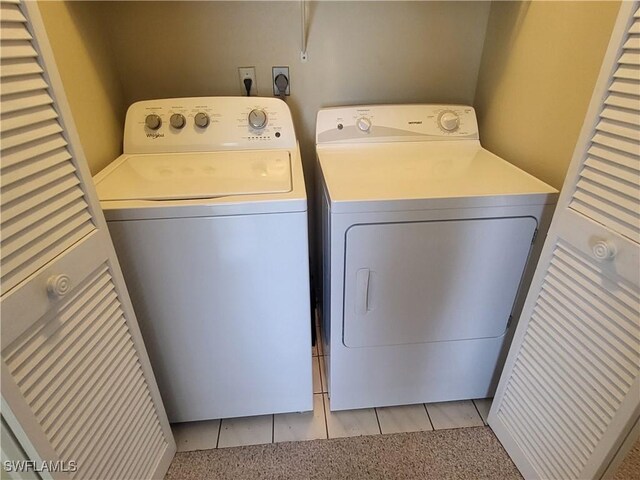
208	213
428	245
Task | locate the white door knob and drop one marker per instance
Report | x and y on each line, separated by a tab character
58	285
604	250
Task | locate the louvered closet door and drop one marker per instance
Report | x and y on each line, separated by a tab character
570	390
75	374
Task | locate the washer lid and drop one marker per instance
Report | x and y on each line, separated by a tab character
173	176
415	171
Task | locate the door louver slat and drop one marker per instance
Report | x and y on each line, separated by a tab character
22	101
27	83
595	185
630	58
13	31
621	100
629	72
10	12
70	199
29	185
22	66
617	190
624	86
15	174
28	134
96	390
621	116
10	49
39	197
614	156
25	118
605	169
632	42
34	149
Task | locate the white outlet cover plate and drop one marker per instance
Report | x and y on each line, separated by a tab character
248	72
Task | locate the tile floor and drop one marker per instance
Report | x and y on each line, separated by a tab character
322	423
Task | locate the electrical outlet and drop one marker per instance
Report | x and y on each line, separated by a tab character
277	71
244	73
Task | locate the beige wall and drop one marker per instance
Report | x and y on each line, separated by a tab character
539	67
359	52
90	80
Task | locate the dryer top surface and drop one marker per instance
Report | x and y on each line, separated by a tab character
388	172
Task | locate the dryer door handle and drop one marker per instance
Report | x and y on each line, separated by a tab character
363	280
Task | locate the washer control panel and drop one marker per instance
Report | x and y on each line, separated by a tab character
208	124
396	123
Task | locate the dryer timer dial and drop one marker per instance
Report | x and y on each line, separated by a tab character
449	121
363	124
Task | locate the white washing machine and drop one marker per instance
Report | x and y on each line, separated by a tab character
428	244
208	213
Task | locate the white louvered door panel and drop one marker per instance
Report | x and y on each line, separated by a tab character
75	374
570	389
43	210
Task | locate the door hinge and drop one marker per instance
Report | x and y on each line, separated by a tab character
509	321
535	235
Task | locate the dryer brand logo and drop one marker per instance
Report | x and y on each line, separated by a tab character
155	135
415	122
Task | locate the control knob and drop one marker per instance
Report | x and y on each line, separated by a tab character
177	120
153	121
449	121
258	118
364	124
201	120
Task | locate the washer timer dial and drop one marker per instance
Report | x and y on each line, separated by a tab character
201	120
448	121
258	118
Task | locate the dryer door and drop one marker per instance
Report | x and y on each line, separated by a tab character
433	281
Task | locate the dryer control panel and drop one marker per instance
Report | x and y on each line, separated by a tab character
208	124
396	123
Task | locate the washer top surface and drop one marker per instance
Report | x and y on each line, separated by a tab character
173	176
204	156
382	158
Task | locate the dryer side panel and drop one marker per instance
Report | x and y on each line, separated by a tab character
438	281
